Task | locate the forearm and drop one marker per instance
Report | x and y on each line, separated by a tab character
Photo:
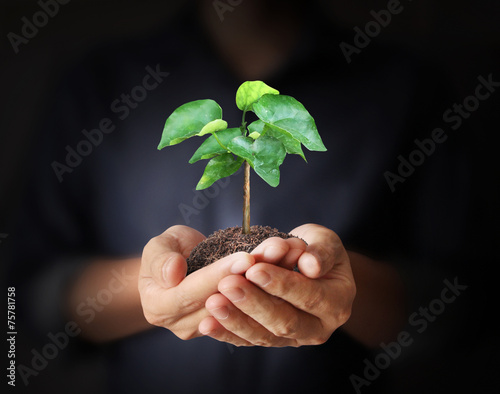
378	312
104	300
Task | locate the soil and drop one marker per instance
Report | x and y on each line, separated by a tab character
230	240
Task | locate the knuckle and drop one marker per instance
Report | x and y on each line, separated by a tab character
281	288
182	330
146	251
287	329
324	253
238	342
153	319
315	300
295	344
149	244
262	343
319	339
160	243
270	341
151	259
152	244
343	316
184	335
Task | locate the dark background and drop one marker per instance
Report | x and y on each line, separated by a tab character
462	38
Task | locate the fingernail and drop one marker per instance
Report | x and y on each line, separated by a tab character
268	252
309	265
271	252
165	273
260	278
309	260
241	265
221	313
234	294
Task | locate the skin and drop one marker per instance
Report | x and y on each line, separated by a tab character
250	299
291	309
257	299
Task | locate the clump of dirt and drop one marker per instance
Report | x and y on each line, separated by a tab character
230	240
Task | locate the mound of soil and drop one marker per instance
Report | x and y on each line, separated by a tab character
230	240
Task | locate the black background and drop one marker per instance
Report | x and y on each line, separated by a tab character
462	38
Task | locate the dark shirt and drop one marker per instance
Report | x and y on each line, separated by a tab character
125	191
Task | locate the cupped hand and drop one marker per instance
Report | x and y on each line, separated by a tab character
169	298
273	305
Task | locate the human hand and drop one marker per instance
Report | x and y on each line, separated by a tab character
169	298
272	305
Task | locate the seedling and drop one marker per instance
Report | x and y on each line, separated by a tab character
282	127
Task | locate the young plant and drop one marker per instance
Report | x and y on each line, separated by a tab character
282	127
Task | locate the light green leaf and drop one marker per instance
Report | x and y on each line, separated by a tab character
265	155
217	168
254	135
251	91
212	127
211	147
287	114
188	120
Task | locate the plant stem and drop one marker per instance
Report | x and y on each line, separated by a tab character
220	143
243	126
246	199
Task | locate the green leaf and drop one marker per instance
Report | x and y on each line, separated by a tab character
257	126
212	127
287	114
265	155
188	120
217	168
291	144
242	146
250	92
211	147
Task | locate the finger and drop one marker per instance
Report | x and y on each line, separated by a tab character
165	293
192	292
203	282
271	251
279	251
163	257
184	326
328	299
324	249
210	327
297	248
231	322
275	315
181	239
